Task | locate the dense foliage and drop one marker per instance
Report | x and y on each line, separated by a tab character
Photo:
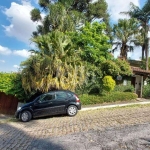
94	50
55	65
5	81
143	63
116	67
70	14
112	97
93	43
73	52
124	88
10	83
146	91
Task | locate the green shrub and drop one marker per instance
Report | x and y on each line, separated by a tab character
146	91
109	67
11	84
124	88
120	96
108	83
112	97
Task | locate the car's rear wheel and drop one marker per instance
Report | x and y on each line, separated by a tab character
25	116
72	110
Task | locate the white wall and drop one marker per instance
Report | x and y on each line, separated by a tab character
138	83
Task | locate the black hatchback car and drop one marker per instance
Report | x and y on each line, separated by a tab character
51	103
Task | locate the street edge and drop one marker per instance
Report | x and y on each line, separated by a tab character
112	106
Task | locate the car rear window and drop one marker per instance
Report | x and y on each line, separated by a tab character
69	94
61	95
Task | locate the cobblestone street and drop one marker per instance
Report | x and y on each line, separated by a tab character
37	133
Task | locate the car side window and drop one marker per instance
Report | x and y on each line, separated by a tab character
46	97
61	96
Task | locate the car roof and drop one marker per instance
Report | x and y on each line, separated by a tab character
61	91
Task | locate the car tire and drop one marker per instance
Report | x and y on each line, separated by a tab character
72	110
25	116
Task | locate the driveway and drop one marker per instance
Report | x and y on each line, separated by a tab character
113	128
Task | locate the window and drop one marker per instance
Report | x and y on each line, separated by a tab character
69	95
46	97
61	95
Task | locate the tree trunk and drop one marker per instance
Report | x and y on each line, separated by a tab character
147	54
143	51
123	52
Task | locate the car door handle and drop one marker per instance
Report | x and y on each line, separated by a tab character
49	102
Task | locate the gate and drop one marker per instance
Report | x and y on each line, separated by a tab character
8	104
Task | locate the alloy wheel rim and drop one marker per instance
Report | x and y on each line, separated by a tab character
72	110
24	116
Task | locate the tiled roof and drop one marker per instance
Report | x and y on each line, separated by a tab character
139	70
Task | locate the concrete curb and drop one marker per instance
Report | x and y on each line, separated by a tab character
112	106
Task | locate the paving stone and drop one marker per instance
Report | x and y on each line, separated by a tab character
16	135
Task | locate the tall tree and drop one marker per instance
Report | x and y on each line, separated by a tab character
143	15
58	60
94	46
57	18
68	14
124	33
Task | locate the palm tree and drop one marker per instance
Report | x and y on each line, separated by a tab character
55	64
124	33
140	41
143	15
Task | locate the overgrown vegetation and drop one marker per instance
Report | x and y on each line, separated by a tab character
73	52
146	91
126	88
111	97
10	83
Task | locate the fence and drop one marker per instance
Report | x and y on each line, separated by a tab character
8	104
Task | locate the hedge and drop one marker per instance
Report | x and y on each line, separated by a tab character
111	97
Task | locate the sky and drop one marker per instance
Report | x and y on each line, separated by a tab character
16	28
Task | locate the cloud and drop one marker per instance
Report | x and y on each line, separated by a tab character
4	50
2	61
136	54
15	66
117	6
21	26
23	53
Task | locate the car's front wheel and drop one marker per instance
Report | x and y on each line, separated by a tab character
72	110
25	116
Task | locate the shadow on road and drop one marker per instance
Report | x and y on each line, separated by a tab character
147	140
15	138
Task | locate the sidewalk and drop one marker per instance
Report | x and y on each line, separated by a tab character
138	101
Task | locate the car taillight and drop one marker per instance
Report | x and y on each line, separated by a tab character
77	99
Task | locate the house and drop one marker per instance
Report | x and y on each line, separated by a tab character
139	76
